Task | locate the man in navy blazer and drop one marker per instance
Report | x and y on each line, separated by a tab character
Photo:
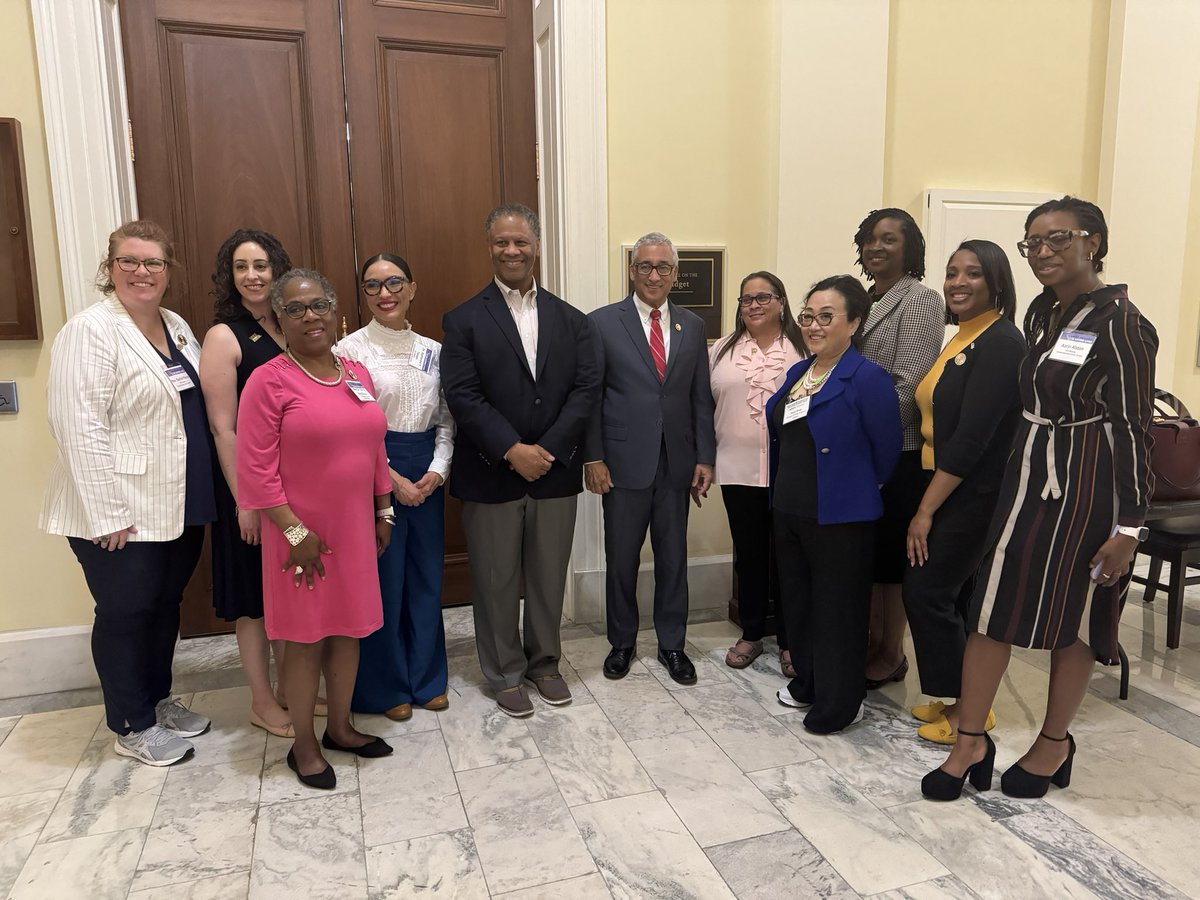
649	443
520	379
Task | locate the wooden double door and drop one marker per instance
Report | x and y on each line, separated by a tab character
346	129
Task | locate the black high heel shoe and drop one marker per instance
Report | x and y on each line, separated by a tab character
941	785
1017	782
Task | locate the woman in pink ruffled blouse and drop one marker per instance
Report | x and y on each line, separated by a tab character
747	368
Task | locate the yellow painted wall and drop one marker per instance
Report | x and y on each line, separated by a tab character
994	96
692	133
42	584
1187	366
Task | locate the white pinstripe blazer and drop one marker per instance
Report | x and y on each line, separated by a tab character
118	422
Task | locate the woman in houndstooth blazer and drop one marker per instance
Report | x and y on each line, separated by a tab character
903	335
132	487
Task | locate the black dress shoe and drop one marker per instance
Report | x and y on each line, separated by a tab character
941	785
618	661
678	665
326	780
1016	782
371	750
898	675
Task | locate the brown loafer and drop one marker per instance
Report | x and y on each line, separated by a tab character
441	701
400	713
514	701
552	689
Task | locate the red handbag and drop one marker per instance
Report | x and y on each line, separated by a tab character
1175	453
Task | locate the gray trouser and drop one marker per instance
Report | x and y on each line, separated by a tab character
524	543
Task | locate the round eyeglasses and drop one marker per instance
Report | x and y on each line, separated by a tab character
296	309
394	285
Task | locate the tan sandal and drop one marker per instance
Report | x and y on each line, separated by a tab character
736	659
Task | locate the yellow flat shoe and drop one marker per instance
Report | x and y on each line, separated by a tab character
401	713
929	712
942	732
441	701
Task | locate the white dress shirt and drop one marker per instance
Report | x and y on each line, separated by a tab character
524	312
644	310
406	370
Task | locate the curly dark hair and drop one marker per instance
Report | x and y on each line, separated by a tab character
790	329
227	305
1038	333
914	241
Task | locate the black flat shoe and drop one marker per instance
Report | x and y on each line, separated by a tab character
370	750
941	785
679	667
618	661
325	781
1017	782
898	675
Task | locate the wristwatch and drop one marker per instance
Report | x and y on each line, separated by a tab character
1138	534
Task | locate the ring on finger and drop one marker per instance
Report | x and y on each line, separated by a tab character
299	570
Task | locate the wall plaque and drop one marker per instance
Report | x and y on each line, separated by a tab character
699	285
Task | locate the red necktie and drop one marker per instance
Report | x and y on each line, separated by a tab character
657	348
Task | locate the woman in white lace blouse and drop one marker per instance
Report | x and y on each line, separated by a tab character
405	661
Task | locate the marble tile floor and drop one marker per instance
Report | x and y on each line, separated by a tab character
639	789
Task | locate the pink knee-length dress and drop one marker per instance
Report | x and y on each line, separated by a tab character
320	450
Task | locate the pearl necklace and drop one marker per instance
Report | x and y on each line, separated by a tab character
337	362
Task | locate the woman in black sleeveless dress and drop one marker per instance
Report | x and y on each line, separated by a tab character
244	335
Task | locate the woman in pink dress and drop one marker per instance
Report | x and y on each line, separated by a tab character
310	456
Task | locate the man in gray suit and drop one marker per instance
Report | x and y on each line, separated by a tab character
649	443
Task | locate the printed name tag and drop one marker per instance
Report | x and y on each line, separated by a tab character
796	409
357	389
180	378
1073	347
422	358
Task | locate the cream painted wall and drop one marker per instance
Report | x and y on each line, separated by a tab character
42	585
691	138
980	99
1187	366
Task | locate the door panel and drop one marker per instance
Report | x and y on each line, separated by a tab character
441	111
238	120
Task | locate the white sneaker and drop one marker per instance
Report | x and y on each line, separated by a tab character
155	746
785	697
858	718
178	719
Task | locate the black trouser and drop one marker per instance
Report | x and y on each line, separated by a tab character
937	595
825	575
137	592
749	512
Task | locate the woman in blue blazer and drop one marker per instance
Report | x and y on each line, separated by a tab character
835	438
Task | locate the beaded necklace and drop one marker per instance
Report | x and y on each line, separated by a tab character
337	362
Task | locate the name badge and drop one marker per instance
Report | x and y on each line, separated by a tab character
357	389
796	409
180	378
421	358
1073	347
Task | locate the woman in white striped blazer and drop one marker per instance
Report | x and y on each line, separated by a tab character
132	487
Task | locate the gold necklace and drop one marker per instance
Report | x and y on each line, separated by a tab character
337	363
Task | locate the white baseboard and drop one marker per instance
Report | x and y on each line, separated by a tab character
710	585
46	660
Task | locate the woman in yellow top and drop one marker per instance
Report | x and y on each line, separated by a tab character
970	408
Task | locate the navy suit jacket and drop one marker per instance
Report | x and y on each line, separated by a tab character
637	412
497	401
855	424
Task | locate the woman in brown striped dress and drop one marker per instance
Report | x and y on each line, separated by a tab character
1071	508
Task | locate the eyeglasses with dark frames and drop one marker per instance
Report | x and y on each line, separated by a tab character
394	285
153	265
762	299
296	309
1057	241
645	268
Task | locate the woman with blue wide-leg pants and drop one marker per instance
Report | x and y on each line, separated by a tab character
404	663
